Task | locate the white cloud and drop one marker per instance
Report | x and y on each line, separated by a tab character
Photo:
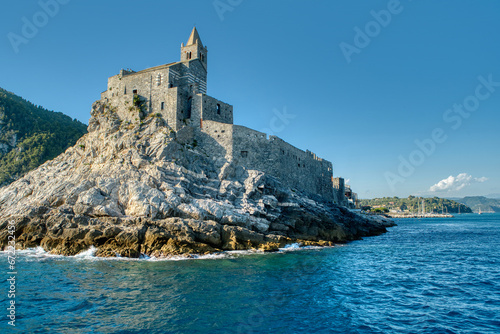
456	183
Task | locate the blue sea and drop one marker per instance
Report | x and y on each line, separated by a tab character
423	276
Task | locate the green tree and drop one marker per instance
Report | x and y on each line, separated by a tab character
39	135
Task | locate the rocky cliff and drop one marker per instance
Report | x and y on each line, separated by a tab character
130	189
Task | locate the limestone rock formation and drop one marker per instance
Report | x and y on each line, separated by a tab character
138	188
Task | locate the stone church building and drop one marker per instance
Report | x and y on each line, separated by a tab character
177	92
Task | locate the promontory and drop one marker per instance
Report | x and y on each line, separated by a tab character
164	171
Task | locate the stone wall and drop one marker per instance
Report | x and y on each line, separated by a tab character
339	191
151	85
172	110
216	139
302	169
207	108
216	110
294	167
165	89
190	74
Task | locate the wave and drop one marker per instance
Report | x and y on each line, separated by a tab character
298	247
89	254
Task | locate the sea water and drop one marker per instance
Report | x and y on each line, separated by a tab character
423	276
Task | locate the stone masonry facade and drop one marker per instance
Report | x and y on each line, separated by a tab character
176	92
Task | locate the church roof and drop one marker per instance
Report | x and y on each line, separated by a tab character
194	37
159	67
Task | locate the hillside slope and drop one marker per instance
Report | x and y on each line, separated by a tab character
30	135
412	204
481	202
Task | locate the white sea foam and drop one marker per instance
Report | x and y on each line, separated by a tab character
292	246
89	254
298	247
36	253
213	256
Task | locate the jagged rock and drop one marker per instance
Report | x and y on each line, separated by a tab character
131	189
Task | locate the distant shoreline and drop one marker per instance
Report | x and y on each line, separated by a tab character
427	215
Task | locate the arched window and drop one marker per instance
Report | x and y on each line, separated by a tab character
189	106
218	109
189	55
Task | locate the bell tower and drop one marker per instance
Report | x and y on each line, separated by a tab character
194	49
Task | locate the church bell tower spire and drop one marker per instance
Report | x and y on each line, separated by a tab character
194	49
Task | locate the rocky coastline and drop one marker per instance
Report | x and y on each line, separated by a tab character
131	189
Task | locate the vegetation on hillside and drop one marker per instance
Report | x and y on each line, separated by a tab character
481	202
30	135
413	204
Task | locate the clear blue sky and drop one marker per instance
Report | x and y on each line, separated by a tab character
270	56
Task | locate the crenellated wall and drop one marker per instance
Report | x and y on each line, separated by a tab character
252	149
294	167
